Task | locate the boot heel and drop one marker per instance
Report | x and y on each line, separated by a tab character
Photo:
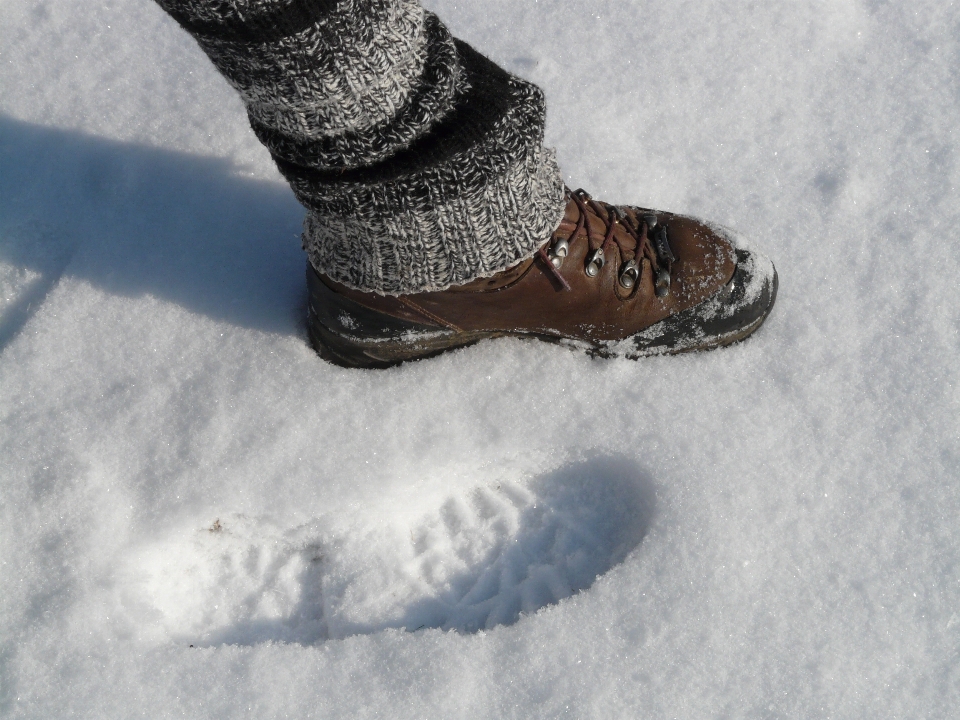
350	335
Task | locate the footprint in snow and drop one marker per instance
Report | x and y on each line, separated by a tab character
480	560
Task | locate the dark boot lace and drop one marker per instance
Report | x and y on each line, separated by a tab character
643	238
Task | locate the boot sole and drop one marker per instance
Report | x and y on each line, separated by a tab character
348	334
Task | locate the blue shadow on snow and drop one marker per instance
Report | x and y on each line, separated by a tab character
136	220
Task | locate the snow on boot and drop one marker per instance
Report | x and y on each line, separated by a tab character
614	281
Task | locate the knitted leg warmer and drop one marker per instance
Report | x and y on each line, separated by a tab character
420	162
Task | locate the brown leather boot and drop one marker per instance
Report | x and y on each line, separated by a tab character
613	281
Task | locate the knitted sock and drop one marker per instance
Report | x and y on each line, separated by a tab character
420	162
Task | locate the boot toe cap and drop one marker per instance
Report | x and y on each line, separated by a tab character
730	314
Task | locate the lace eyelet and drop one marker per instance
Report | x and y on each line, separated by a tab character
629	274
560	250
663	283
595	262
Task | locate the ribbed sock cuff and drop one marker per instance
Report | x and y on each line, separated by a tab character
420	162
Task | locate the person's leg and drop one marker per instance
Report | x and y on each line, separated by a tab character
435	217
419	161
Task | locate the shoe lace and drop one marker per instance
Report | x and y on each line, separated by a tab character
643	238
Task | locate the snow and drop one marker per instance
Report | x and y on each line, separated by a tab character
200	518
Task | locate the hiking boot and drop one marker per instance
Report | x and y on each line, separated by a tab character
614	281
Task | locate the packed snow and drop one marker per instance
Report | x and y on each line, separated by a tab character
201	518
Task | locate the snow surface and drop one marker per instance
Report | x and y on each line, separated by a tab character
200	518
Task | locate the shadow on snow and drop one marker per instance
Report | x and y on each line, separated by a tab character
136	220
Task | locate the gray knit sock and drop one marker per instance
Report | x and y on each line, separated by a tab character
419	161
